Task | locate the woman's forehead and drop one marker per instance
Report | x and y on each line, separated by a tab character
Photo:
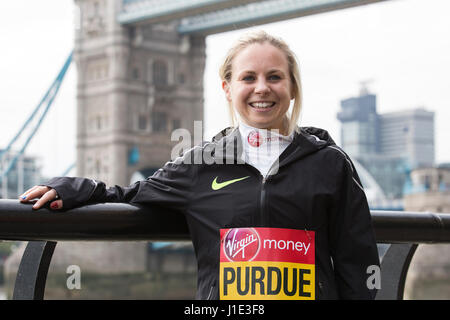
260	56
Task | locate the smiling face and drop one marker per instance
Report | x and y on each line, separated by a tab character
260	88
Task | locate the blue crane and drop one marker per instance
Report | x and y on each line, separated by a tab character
46	101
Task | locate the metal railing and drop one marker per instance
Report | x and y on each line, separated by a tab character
404	231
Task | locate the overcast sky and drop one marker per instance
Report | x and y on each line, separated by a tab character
403	46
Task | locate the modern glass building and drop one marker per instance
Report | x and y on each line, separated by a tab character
359	130
387	145
408	134
25	174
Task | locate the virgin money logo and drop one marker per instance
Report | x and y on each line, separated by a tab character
241	244
255	139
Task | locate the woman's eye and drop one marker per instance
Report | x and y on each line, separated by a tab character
248	78
274	77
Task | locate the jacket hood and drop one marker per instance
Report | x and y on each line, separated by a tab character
319	133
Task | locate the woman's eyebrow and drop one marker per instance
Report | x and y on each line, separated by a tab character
275	71
247	72
268	72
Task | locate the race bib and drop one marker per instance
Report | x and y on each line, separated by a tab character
267	263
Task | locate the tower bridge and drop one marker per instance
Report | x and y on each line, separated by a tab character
214	16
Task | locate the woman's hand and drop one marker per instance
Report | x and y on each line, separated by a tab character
44	195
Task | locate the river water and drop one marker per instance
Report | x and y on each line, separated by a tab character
2	293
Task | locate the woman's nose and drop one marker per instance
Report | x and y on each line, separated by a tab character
262	87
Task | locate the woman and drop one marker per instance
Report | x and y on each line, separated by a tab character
279	214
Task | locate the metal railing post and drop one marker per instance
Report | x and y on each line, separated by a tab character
33	269
394	269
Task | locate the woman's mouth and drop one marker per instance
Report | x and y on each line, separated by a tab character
262	105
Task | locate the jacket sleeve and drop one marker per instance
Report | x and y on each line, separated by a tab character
169	187
352	240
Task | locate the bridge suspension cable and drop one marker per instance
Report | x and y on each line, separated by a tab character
69	168
48	99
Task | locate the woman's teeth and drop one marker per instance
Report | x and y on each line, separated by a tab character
262	104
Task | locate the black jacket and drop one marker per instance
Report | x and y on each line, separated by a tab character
316	188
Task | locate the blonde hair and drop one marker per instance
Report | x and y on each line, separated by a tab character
261	37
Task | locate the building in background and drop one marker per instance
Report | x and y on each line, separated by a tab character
408	134
429	274
24	175
136	84
429	189
387	145
359	130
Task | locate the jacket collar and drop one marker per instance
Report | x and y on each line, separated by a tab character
228	145
307	140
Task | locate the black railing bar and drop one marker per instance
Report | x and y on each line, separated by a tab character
125	222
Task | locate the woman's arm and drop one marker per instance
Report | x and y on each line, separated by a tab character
170	186
352	239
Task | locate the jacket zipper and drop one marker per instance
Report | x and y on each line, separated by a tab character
262	200
210	293
261	203
262	197
320	284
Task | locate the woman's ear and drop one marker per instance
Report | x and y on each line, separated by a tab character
293	92
226	88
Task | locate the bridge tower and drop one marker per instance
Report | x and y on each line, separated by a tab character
136	84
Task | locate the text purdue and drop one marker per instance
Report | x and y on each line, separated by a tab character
269	281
